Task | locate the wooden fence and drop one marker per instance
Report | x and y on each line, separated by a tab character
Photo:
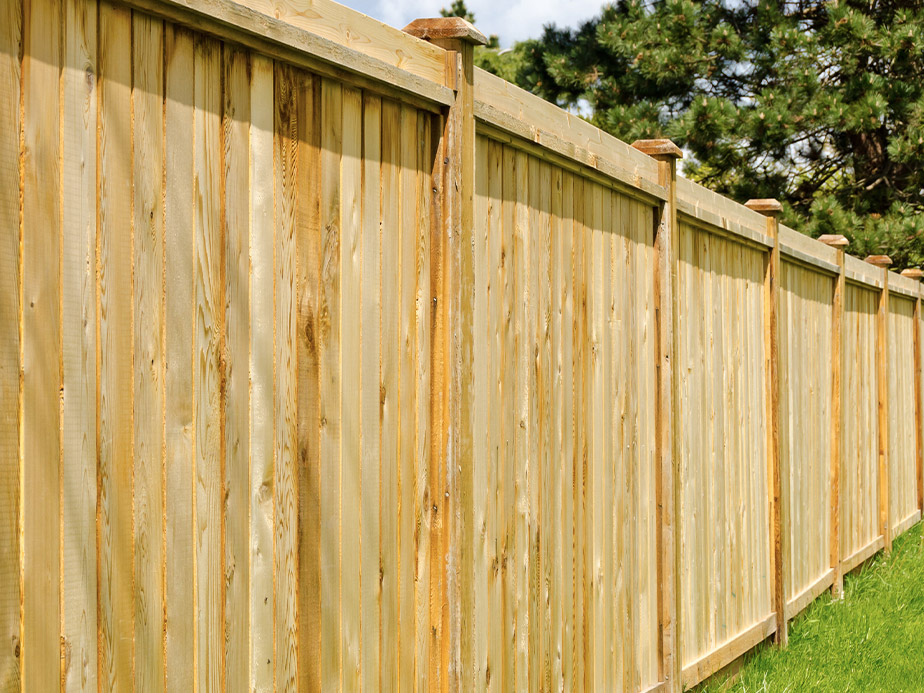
329	361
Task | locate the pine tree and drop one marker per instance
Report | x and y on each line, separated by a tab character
504	63
820	104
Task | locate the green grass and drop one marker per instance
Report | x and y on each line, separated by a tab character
871	640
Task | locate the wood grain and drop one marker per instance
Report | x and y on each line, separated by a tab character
285	471
262	415
78	287
179	312
209	371
236	511
11	39
41	348
114	350
148	359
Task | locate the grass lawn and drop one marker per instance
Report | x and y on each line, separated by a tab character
872	640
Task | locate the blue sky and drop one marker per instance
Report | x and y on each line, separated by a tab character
511	20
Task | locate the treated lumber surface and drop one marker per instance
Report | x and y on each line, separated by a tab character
236	510
900	393
603	553
179	376
148	358
78	288
806	403
728	652
11	38
310	383
114	350
323	36
41	349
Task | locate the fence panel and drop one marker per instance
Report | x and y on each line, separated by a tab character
564	351
246	341
246	274
859	526
724	522
805	414
903	500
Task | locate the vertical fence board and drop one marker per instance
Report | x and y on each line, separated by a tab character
11	39
262	416
308	250
41	350
236	493
179	377
148	261
209	368
370	391
389	410
350	356
329	358
407	392
285	473
114	349
78	286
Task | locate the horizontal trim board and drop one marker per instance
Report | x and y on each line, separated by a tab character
649	194
862	280
659	687
728	652
804	258
720	225
860	272
907	523
901	290
278	39
737	233
858	557
795	605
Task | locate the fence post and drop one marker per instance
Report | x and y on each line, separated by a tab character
666	235
882	380
452	389
771	209
837	336
916	274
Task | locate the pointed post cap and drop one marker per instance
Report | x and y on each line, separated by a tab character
913	273
766	206
835	240
658	148
878	260
445	28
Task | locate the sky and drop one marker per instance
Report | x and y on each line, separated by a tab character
511	20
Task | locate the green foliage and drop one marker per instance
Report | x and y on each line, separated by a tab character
871	640
819	104
506	63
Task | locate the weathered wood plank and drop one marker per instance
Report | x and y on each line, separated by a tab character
209	367
236	511
262	417
114	349
390	412
11	40
308	259
41	347
371	301
285	480
330	363
423	325
351	387
78	287
179	307
148	355
411	181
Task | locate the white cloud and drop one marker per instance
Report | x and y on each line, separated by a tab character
512	21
